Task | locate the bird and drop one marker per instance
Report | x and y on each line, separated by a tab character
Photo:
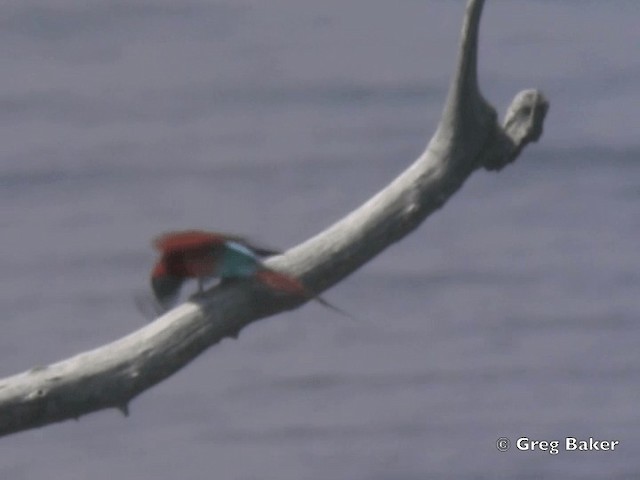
203	255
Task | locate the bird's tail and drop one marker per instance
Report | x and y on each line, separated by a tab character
292	286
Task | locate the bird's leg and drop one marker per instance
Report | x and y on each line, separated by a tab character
200	284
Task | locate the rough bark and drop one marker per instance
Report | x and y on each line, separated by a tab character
468	138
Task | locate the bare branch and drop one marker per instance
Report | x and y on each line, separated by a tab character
467	138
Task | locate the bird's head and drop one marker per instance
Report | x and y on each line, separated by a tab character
165	286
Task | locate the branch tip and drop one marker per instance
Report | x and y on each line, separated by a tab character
523	124
464	91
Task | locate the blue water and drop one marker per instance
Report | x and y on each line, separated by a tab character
514	311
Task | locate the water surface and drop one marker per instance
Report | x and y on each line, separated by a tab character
513	311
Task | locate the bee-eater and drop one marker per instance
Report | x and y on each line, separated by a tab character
204	255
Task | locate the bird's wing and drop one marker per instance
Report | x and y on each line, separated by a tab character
196	239
187	240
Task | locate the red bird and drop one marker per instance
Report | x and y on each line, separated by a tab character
203	255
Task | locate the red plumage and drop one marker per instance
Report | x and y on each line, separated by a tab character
189	240
196	253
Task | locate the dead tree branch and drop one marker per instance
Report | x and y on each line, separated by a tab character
468	138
